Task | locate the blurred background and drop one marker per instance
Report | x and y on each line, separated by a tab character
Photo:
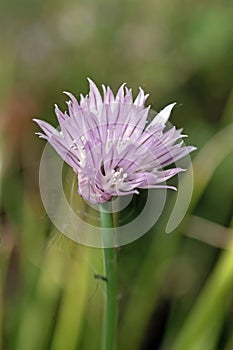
175	291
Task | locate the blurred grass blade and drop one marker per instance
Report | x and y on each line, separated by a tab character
228	111
37	319
209	158
146	289
210	304
208	232
70	316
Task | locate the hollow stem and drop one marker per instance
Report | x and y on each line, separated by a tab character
110	309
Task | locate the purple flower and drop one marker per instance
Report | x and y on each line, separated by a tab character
111	145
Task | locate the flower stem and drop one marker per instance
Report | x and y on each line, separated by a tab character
110	310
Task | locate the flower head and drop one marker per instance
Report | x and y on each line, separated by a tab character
111	145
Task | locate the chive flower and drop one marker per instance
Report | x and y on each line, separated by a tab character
112	146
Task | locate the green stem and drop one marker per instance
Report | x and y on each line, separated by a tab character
110	311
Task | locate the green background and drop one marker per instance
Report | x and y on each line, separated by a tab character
175	291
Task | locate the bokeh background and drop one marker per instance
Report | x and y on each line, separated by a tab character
175	291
